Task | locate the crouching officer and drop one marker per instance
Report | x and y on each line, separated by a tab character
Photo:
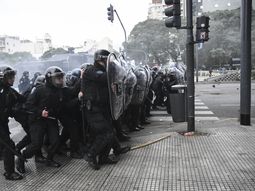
44	105
96	96
8	98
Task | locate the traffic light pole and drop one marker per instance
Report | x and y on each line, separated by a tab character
190	68
245	94
122	26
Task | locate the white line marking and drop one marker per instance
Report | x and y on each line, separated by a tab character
204	113
201	107
158	112
206	118
199	103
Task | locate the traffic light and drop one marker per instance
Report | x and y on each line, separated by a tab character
173	13
110	13
202	25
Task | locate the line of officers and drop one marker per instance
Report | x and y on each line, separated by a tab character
49	103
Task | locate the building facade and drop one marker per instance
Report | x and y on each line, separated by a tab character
9	44
12	44
90	46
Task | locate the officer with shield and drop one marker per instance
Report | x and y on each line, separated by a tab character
96	96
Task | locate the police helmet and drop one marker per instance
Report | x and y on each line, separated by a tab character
84	66
40	80
6	73
101	55
36	74
54	75
73	76
26	73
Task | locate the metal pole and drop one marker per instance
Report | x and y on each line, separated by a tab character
122	25
197	63
190	68
197	46
245	94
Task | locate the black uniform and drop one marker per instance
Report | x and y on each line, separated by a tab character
22	116
98	114
70	119
24	82
46	98
8	98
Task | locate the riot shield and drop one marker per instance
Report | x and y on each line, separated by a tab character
129	83
148	80
139	90
115	78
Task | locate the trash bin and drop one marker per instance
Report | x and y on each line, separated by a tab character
178	103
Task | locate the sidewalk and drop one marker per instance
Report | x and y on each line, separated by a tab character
220	156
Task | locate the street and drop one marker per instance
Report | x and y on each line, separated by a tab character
223	99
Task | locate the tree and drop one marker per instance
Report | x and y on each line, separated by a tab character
225	39
53	51
16	57
151	37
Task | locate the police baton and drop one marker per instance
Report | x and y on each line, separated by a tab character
49	117
84	129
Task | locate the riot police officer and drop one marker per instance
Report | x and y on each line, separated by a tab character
70	117
98	114
22	117
36	74
24	82
8	98
44	104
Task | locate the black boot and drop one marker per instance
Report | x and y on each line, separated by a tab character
108	160
123	137
13	176
52	163
93	161
122	150
131	129
40	159
76	155
20	165
139	127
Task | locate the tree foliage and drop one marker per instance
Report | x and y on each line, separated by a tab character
53	51
151	37
15	57
225	39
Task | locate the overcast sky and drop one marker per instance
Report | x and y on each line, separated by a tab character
70	22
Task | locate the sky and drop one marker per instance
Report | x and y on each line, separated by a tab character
70	22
